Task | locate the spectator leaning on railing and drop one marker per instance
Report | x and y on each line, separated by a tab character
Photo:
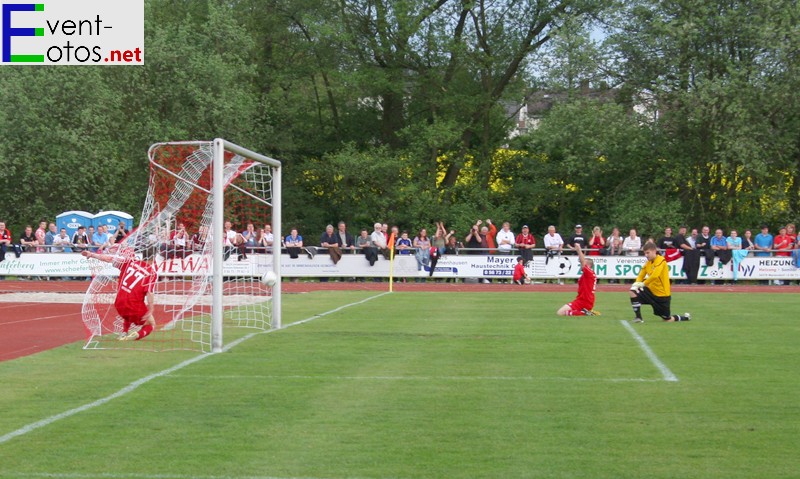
7	242
28	240
79	240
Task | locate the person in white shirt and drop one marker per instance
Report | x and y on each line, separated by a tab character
632	244
62	243
553	243
378	238
505	239
266	239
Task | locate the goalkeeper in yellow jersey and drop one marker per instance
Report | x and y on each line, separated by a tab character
652	287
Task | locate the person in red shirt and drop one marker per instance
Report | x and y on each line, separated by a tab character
583	304
134	301
783	243
519	271
525	243
597	242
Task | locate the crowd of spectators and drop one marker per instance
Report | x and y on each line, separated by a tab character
696	245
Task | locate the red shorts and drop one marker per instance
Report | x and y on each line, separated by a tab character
579	304
134	316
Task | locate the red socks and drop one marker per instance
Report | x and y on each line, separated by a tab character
146	329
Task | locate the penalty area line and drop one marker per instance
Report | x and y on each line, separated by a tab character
665	372
140	382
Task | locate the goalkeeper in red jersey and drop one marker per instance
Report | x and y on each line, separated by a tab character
583	304
134	301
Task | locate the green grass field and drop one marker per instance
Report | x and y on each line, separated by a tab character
427	385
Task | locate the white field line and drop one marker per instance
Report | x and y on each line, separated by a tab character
415	378
665	372
135	385
78	475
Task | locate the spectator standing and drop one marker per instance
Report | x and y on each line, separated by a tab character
763	242
121	233
90	235
199	239
596	243
28	240
614	243
51	234
525	243
423	251
453	245
266	238
439	240
553	243
180	240
473	239
577	238
790	232
505	239
783	243
738	253
734	241
632	243
62	242
691	257
668	245
7	242
488	235
250	238
719	247
703	246
747	241
79	240
233	242
99	239
41	232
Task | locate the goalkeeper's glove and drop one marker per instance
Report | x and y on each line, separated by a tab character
637	286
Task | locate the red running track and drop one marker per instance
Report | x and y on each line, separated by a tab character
28	328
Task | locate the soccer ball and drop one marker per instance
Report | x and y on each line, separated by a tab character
269	278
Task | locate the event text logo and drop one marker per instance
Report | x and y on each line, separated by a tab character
78	32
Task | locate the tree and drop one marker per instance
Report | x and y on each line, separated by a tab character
720	75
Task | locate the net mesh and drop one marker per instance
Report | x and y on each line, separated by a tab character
177	219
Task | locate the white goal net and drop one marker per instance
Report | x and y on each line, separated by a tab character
213	211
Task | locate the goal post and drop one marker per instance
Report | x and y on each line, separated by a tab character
213	209
218	188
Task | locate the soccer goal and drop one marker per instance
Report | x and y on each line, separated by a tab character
210	207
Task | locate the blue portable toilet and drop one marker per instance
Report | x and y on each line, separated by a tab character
111	219
71	220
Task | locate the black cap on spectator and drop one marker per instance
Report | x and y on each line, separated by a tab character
81	227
